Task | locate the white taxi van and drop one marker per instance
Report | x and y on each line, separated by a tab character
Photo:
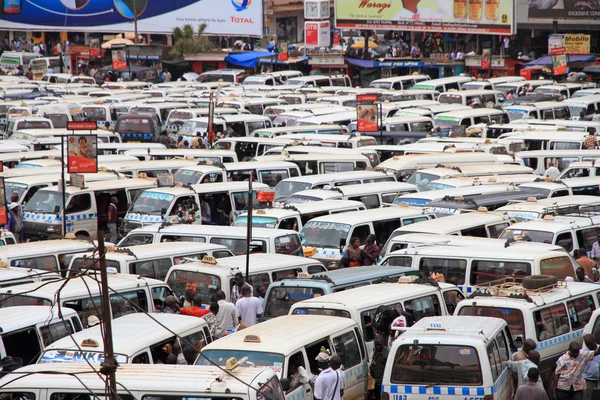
552	313
537	208
49	382
283	342
137	339
446	358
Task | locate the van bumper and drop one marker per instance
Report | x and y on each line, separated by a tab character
41	231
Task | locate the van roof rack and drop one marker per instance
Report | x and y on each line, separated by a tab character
573	210
513	287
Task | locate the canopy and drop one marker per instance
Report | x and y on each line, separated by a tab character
361	45
108	45
247	59
571	58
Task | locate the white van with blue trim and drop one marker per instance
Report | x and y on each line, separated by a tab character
552	313
445	358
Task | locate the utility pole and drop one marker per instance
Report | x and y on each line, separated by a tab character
109	366
249	224
135	17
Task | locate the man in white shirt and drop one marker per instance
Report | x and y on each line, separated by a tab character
249	308
552	172
330	382
410	11
227	319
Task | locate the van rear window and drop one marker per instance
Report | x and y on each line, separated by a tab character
434	364
13	300
281	299
484	271
205	285
322	311
559	267
513	317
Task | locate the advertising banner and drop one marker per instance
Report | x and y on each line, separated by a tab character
317	33
3	208
222	17
82	155
39	68
569	44
559	64
566	9
95	51
366	110
119	57
77	180
494	17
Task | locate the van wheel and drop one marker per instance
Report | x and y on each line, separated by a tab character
538	281
82	236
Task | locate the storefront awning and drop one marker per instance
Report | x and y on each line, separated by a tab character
274	60
592	69
571	58
390	64
248	59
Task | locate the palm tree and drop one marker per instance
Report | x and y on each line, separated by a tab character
186	41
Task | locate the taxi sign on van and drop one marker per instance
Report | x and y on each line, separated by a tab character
252	339
438	326
90	343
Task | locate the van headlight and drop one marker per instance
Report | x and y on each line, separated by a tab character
333	265
53	229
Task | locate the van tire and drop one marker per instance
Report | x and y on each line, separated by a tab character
538	281
82	236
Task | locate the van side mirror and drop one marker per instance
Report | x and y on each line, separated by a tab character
285	384
450	307
163	211
342	245
56	209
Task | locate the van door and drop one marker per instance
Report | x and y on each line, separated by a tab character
498	352
451	298
298	389
494	230
82	215
350	347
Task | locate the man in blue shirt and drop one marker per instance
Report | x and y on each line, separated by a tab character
591	369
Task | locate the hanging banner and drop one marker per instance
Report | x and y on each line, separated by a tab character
119	56
82	155
95	48
77	180
317	33
486	59
559	64
3	209
492	17
568	9
366	110
569	44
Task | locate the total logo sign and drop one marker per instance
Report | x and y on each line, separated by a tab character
241	5
317	34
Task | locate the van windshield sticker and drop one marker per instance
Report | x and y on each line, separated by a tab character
462	351
329	225
160	196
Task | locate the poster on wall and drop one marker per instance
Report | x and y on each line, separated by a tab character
95	51
569	43
559	64
119	56
82	155
366	110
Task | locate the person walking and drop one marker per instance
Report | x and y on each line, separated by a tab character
329	385
211	318
580	276
522	368
531	390
523	354
371	251
569	372
113	214
196	309
591	369
227	318
166	76
15	224
380	356
552	172
236	290
249	308
586	263
590	142
353	257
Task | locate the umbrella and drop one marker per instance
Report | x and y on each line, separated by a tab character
128	35
361	45
108	45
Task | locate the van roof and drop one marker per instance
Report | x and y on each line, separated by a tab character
544	204
536	106
409	161
480	252
283	335
148	378
315	206
132	332
52	246
145	251
556	224
453	223
371	295
474	112
313	156
434	195
464	330
16	318
214	230
109	185
80	286
363	216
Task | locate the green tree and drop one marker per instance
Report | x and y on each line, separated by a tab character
187	41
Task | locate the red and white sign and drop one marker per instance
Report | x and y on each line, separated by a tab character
317	34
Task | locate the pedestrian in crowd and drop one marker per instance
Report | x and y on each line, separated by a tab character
15	224
196	309
371	251
353	256
580	276
197	142
569	372
298	374
586	263
595	253
531	390
249	308
190	353
591	369
188	298
178	351
262	292
227	318
166	76
509	95
19	71
29	74
380	356
113	215
552	172
590	142
523	354
329	385
164	139
239	283
211	318
523	366
180	143
171	305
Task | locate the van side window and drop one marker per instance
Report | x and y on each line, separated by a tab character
547	114
447	267
79	203
197	339
141	359
428	306
561	113
502	347
346	346
496	229
257	280
477	231
314	269
175	238
494	357
565	240
551	322
483	271
560	267
273	177
370	201
346	183
408	221
397	261
51	333
586	238
383	229
46	263
285	274
560	193
580	311
361	232
330	167
288	244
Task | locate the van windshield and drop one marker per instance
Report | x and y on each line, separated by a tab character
13	187
331	312
95	113
324	234
205	285
74	356
187	176
527	235
436	364
45	201
284	189
258	359
134	125
282	298
151	203
257	222
513	317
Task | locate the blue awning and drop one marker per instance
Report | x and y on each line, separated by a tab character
571	58
593	69
361	63
247	60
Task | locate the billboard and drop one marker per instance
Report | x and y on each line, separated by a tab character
559	64
569	44
567	9
222	17
317	34
82	154
494	17
366	113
